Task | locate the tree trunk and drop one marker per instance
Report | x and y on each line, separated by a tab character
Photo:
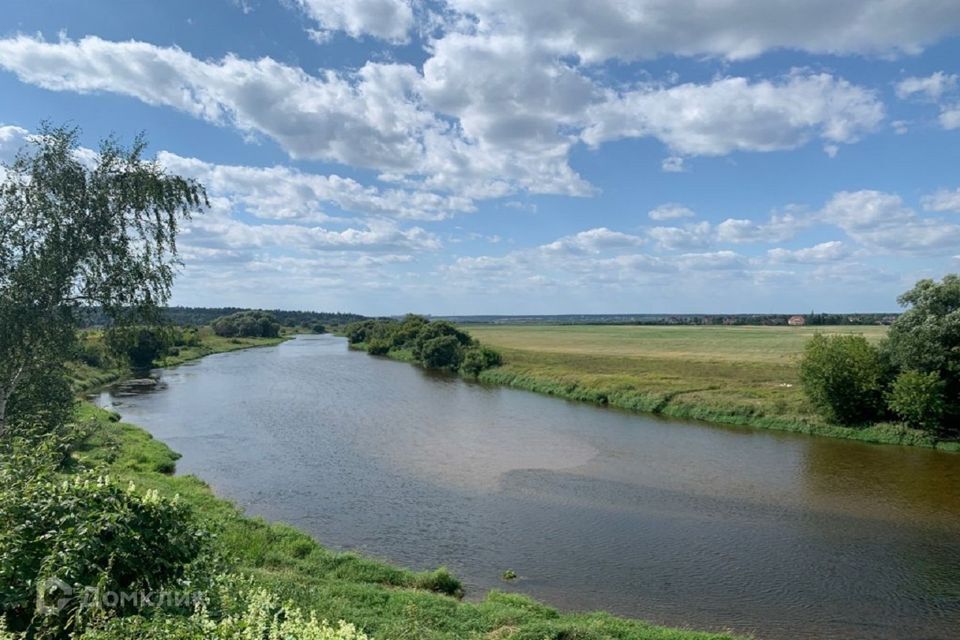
3	411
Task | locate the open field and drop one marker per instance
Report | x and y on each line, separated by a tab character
732	375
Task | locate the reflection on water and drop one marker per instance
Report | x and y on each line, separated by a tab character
780	535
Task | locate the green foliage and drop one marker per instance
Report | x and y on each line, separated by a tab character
926	338
72	236
478	358
367	330
60	537
441	352
439	329
247	324
436	345
239	611
919	399
378	346
843	376
141	345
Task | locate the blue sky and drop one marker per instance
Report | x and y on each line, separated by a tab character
496	156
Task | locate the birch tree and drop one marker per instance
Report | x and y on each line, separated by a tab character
81	230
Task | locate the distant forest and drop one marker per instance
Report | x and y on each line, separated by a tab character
197	316
756	319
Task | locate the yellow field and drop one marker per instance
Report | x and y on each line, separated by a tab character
741	375
700	344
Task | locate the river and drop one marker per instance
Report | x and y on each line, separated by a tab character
779	535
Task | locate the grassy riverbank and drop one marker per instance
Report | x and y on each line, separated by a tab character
84	377
387	602
731	375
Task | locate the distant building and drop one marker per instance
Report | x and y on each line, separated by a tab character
797	321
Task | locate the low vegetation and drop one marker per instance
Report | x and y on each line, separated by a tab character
247	324
435	345
913	375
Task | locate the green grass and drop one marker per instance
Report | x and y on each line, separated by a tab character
387	602
86	378
732	375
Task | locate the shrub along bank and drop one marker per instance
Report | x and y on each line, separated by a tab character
435	345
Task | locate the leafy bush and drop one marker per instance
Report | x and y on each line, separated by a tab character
926	338
438	329
247	324
843	376
60	537
140	345
378	346
479	358
442	352
919	399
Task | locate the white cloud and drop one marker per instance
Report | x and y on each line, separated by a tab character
490	114
285	193
734	29
824	252
950	117
939	88
670	211
12	138
389	20
593	241
733	114
931	87
881	222
691	236
942	200
779	227
673	164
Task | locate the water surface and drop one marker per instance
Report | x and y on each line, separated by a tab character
779	535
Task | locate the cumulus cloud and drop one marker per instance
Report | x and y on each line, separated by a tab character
824	252
488	115
593	241
688	237
939	88
931	87
389	20
670	211
779	227
734	29
942	200
734	114
882	222
285	193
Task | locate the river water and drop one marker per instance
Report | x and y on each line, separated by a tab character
779	535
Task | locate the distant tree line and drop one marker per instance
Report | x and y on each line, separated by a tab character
247	324
199	316
913	375
757	319
435	345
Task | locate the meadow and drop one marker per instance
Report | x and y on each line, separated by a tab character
741	375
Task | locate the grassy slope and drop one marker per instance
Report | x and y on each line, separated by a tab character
732	375
388	602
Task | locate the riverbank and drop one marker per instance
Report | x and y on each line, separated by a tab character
85	378
743	376
386	601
